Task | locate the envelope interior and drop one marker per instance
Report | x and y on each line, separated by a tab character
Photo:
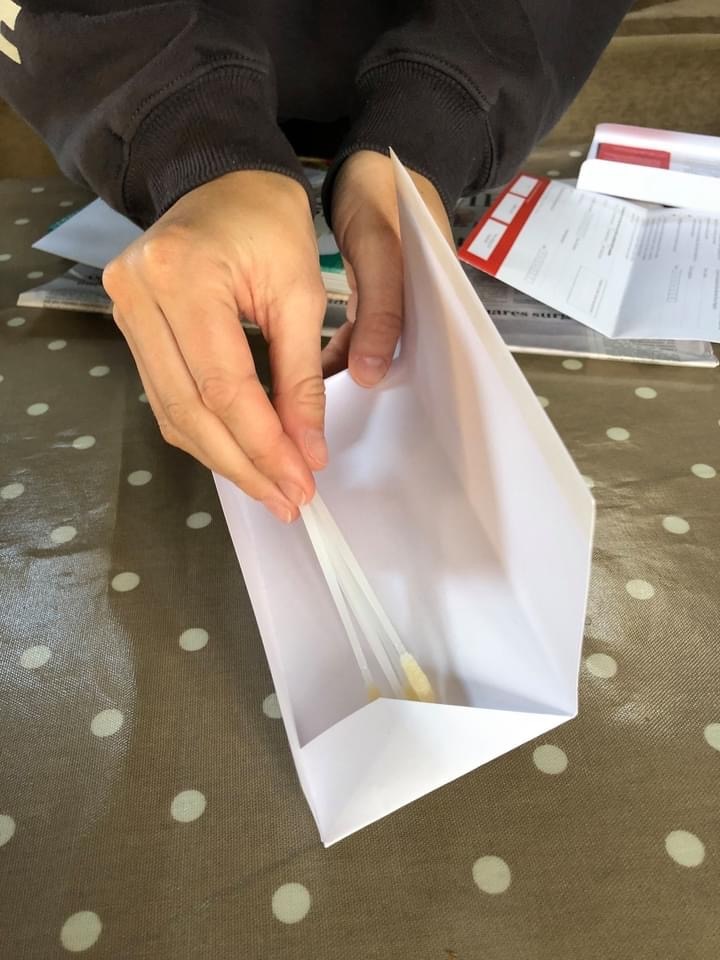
459	501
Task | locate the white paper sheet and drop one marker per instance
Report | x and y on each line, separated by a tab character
620	268
93	236
661	166
474	528
528	326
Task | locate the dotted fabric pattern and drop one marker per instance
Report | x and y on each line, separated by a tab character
149	808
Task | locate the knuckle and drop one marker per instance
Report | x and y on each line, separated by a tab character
118	318
308	393
218	392
164	252
115	279
317	299
169	433
179	419
240	480
382	326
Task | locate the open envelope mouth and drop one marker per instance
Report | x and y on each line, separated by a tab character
473	529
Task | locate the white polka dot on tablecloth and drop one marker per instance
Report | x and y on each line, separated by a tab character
63	534
100	371
106	723
196	521
81	931
675	525
4	257
645	393
37	409
16	321
194	638
11	491
550	759
712	735
123	582
35	275
589	482
572	364
143	398
291	903
1	378
491	875
138	478
685	848
271	707
35	657
57	344
618	433
544	402
84	442
553	173
640	589
37	190
7	828
66	203
21	221
574	153
601	665
187	806
703	470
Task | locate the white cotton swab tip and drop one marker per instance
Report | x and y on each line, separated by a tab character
418	685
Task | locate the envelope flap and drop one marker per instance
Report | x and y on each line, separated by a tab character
393	751
517	475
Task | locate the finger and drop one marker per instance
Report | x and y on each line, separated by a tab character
295	362
215	349
181	417
351	308
335	355
377	263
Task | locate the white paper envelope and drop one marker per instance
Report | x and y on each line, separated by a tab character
473	526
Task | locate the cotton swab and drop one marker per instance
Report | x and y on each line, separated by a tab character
316	538
418	684
362	611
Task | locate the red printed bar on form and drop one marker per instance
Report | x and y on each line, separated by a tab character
494	235
640	156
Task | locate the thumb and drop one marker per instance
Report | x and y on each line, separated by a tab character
376	260
296	369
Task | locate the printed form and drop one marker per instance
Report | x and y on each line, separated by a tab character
622	269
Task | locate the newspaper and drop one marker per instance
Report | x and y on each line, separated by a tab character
525	325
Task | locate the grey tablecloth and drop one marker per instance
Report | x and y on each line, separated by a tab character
148	804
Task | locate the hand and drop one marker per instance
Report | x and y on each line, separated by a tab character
241	246
367	231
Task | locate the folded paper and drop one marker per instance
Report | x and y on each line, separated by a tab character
622	269
473	528
659	166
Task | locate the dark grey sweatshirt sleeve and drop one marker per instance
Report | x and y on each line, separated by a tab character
462	89
142	104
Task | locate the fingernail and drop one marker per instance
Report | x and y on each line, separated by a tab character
293	491
369	370
279	510
316	446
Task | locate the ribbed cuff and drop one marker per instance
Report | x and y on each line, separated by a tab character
220	122
431	122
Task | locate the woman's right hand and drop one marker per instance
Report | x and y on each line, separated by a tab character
240	246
